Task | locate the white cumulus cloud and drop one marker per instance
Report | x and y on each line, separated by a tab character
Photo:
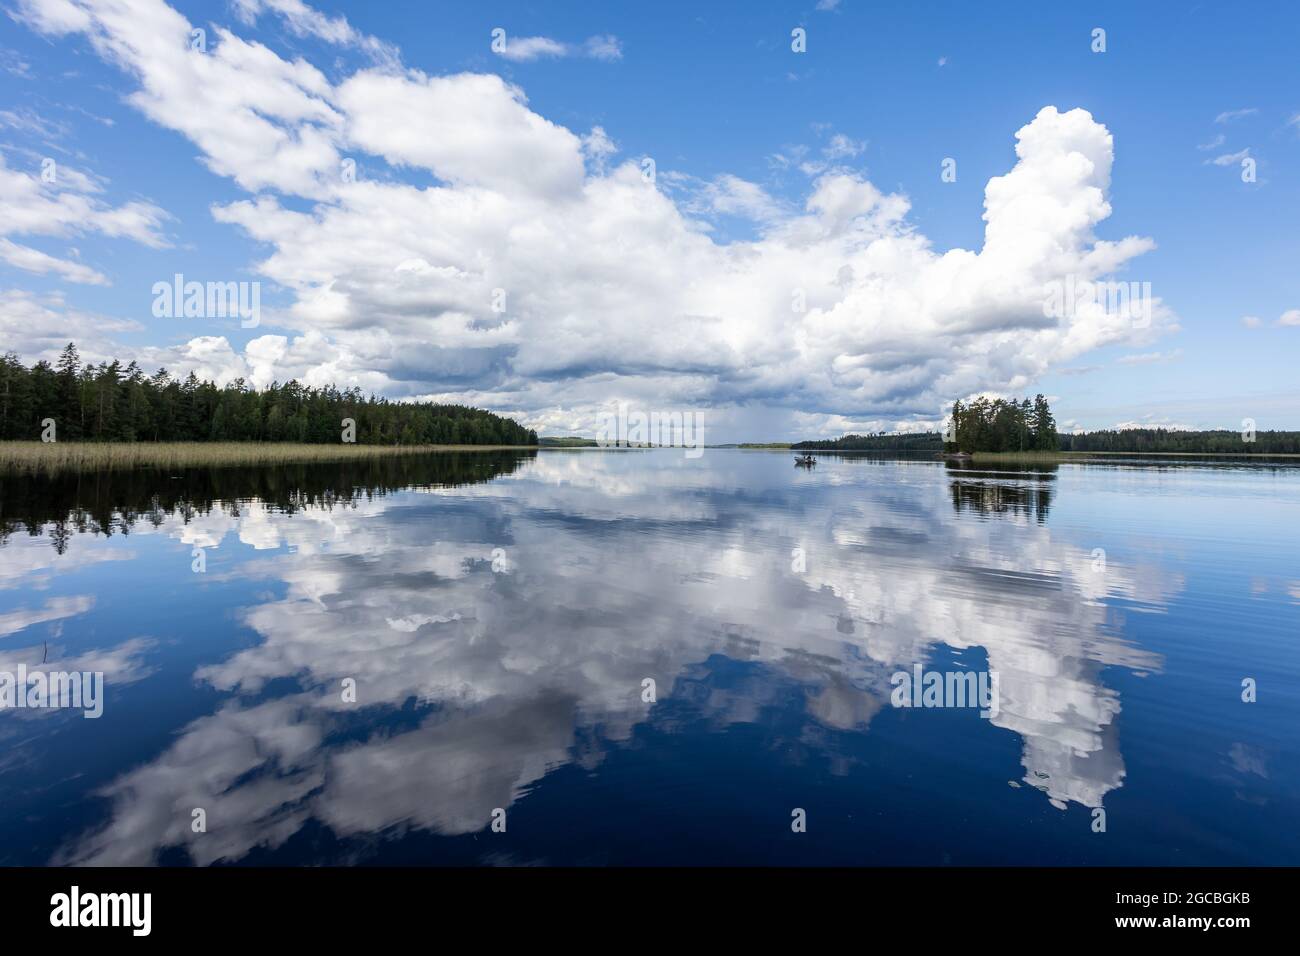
535	274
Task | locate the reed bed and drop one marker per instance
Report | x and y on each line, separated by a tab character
34	457
1032	457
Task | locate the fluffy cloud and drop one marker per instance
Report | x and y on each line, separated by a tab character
498	145
55	201
257	118
303	21
33	260
38	327
535	274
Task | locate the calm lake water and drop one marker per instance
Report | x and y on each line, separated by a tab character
499	615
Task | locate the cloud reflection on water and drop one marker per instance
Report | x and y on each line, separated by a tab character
621	566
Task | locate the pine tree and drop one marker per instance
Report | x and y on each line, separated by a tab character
68	412
1045	437
957	412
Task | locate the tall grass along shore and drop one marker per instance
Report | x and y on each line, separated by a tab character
34	457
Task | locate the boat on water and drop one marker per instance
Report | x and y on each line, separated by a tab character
807	460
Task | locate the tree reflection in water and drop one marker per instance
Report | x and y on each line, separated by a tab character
112	502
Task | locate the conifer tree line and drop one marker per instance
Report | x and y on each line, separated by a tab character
1003	425
112	402
1219	441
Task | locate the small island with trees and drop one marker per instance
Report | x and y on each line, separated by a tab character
1001	425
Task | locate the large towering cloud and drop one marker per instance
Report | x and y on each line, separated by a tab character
486	251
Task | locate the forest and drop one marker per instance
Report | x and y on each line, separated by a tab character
1165	440
110	402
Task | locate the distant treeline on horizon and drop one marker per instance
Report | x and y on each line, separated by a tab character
916	441
998	425
1165	440
1123	440
110	402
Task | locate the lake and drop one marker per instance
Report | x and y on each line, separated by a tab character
598	657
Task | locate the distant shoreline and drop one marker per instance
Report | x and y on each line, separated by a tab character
936	455
1070	455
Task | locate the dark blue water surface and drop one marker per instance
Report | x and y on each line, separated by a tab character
501	613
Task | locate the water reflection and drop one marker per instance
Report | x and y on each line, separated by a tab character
1008	489
112	502
499	630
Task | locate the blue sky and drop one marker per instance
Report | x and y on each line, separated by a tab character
684	300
